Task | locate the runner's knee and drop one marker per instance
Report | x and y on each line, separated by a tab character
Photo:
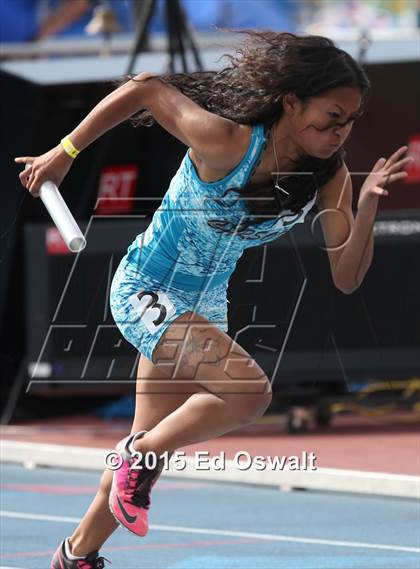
251	405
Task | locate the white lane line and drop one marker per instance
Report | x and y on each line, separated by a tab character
41	517
208	531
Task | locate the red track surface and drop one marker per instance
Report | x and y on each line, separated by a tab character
387	444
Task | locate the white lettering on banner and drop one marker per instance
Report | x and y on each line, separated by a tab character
116	186
397	227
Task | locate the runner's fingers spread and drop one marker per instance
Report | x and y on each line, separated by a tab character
394	177
394	157
400	165
378	165
405	162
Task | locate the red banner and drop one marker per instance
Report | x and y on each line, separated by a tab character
414	151
117	187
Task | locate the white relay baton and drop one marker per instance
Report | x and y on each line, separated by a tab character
62	217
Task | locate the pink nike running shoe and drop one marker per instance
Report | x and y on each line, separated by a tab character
129	498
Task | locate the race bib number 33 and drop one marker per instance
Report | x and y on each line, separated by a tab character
153	307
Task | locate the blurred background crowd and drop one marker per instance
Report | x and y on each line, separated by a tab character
35	20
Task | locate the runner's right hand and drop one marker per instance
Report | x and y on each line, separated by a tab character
53	165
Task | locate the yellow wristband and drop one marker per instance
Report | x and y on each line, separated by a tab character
68	146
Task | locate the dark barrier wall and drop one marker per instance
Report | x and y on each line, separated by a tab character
34	118
19	104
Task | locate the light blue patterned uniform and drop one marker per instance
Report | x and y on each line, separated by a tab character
184	259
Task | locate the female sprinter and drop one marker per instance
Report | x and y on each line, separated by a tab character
286	103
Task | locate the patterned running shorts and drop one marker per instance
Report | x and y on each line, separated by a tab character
143	308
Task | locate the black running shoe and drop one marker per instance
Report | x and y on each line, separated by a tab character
91	561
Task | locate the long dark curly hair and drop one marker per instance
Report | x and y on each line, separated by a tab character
265	67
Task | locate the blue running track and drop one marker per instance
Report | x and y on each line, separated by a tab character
200	525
